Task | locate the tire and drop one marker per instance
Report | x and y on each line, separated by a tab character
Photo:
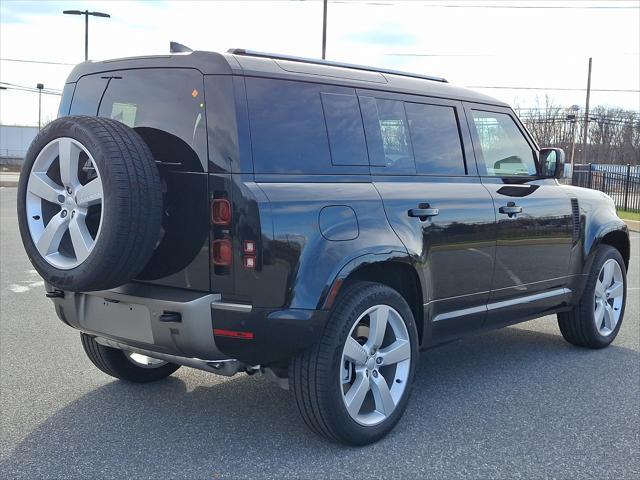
580	326
318	376
91	225
119	364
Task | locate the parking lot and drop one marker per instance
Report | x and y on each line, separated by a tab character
514	403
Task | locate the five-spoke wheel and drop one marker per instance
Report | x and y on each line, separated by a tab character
596	319
609	296
64	203
376	360
354	383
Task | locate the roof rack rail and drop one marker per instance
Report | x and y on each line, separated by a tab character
291	58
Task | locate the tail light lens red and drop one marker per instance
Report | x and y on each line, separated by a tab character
249	247
222	252
249	261
221	211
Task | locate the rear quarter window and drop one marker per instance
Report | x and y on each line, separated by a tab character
305	128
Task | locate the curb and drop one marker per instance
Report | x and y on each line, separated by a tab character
634	225
9	179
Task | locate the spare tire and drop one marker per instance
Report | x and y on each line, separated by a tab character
89	203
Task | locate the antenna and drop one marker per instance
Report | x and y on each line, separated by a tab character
175	47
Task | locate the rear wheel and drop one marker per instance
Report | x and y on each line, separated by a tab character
128	366
354	384
596	320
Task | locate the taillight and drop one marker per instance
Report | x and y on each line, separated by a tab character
221	211
222	252
249	247
249	261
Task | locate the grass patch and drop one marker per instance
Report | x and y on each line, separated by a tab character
629	215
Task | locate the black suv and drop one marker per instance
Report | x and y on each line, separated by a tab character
317	222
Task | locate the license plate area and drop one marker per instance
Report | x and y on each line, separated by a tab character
116	318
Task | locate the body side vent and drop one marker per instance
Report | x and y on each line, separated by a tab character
575	211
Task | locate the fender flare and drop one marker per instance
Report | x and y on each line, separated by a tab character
594	240
332	288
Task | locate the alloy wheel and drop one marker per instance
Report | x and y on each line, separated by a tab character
609	297
375	365
64	203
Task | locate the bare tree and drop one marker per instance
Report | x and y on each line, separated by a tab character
613	135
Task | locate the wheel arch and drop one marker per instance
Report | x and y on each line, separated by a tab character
394	270
615	235
619	240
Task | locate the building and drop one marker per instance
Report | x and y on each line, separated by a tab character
14	142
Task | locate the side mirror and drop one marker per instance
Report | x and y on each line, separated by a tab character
551	162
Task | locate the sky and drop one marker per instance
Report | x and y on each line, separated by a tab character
479	44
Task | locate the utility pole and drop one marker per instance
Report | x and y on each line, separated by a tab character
86	14
40	86
324	29
573	118
585	132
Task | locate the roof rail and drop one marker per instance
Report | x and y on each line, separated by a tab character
291	58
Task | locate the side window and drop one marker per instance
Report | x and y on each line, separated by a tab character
436	139
505	150
387	131
166	107
288	132
344	127
305	128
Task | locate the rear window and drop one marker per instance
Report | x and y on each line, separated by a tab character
165	106
436	139
344	126
388	136
87	94
305	128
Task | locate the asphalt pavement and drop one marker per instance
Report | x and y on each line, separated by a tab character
515	403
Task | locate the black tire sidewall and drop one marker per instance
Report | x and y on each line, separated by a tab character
84	277
345	426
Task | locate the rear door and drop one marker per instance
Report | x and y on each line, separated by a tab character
534	218
166	107
423	167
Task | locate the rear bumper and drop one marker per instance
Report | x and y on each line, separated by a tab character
134	315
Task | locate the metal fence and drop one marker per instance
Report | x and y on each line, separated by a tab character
620	182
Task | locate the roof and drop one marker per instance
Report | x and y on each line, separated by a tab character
242	62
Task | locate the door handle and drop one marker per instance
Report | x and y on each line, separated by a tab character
423	211
511	209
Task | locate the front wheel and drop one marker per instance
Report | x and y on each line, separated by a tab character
353	385
596	320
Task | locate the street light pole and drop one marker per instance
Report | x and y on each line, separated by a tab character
324	29
86	36
86	14
40	86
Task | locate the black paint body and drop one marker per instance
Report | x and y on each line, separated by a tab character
292	147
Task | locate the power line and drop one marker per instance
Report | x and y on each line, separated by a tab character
545	54
28	87
19	60
530	7
504	87
19	88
